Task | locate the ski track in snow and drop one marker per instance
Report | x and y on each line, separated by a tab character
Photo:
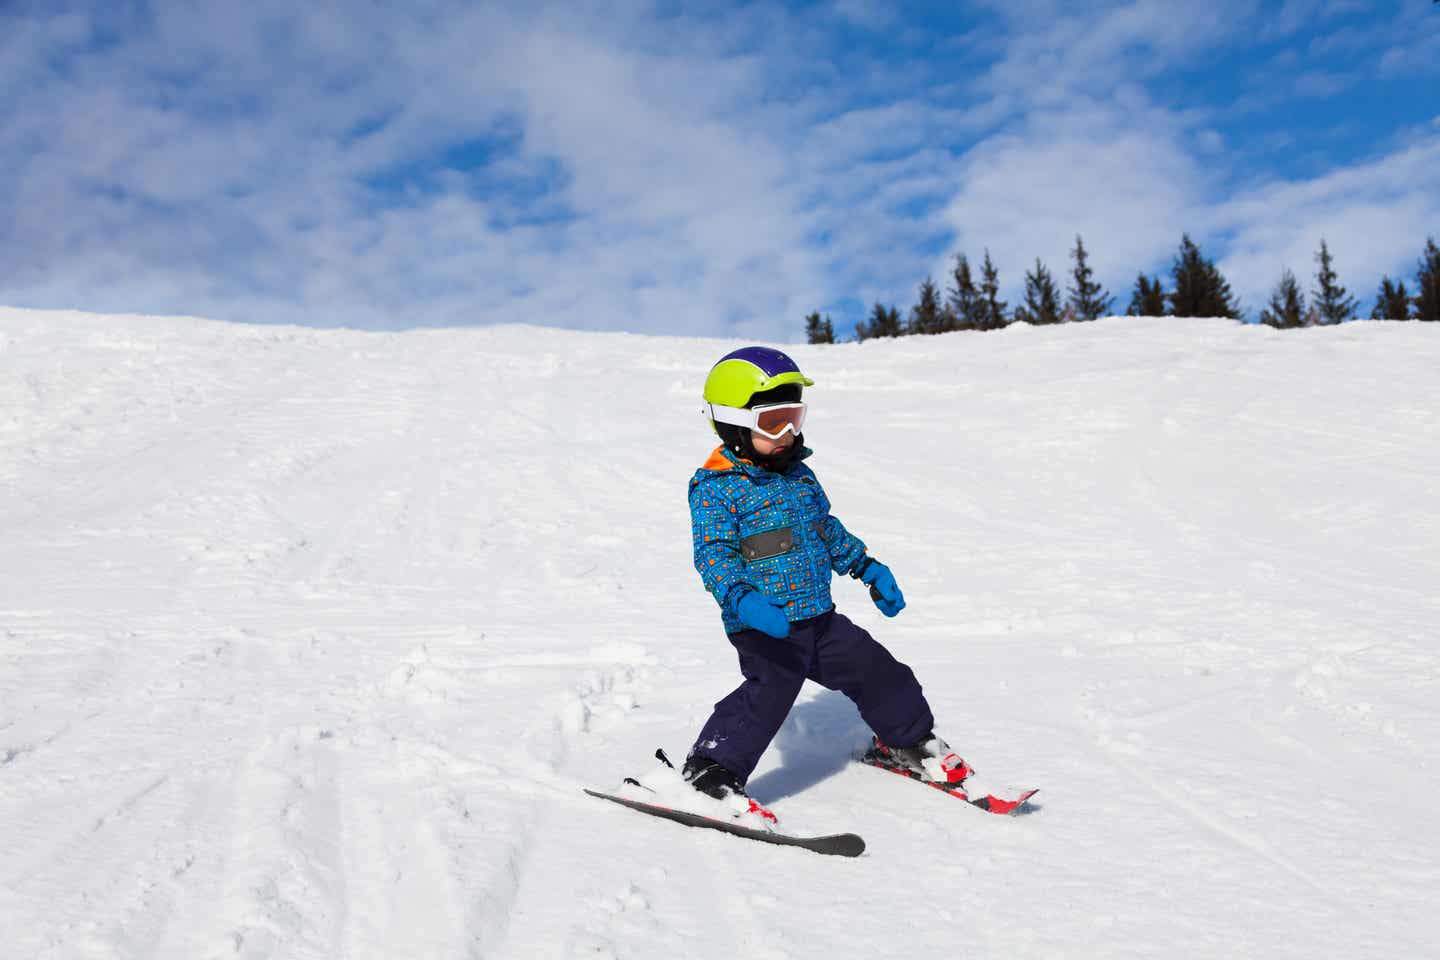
308	641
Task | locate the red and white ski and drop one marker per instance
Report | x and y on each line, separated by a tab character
988	803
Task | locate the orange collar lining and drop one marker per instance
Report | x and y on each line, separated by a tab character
718	461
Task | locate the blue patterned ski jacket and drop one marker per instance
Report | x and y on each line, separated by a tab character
758	530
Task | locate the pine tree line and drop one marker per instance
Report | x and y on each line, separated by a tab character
1331	303
1197	289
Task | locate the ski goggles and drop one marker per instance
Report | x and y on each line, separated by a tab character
770	420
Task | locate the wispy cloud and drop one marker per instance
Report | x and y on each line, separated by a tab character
1126	188
1374	217
1091	150
653	168
869	14
314	182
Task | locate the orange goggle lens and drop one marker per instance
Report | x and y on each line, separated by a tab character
773	421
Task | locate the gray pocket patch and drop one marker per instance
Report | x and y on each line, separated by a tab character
771	543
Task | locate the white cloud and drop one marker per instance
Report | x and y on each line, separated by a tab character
1131	192
1128	190
867	14
1374	216
1055	50
1089	152
251	174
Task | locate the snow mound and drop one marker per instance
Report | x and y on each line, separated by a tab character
310	639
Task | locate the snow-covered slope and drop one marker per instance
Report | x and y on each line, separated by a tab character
309	640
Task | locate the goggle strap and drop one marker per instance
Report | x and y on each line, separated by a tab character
735	416
750	416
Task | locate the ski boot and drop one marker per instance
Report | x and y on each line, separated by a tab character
930	760
714	780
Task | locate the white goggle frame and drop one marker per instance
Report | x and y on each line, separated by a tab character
750	417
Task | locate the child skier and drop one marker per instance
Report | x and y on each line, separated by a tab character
765	545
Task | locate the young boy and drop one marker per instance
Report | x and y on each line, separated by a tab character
765	545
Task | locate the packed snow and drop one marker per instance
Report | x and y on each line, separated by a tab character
309	641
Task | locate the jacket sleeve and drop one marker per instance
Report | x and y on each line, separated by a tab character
845	548
716	536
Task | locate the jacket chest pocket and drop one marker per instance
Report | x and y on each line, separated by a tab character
767	544
767	525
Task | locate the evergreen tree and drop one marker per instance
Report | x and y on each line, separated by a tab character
1199	288
1427	283
1042	299
927	316
1148	298
948	320
893	326
963	299
1392	302
1087	299
818	330
1287	304
993	308
1331	300
883	322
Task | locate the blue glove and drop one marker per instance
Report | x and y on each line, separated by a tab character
758	612
883	589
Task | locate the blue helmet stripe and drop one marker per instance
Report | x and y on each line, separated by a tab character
771	361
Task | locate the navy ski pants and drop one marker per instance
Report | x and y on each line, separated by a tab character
834	653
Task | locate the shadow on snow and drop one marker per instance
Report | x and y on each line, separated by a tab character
817	741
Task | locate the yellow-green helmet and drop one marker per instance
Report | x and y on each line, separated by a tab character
741	374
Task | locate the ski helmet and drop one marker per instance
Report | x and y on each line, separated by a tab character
740	374
748	377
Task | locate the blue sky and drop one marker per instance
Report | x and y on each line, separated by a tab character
713	169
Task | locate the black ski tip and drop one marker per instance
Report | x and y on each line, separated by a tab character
840	845
660	755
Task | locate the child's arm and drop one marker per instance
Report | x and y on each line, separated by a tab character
848	556
716	537
845	548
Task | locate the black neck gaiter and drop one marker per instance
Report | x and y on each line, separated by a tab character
739	442
777	462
